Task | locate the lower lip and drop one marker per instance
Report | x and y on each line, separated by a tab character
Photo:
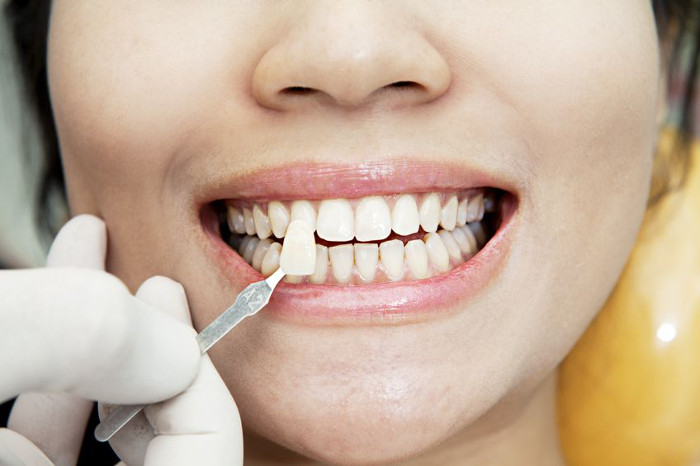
373	304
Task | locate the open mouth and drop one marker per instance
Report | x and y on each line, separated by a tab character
373	239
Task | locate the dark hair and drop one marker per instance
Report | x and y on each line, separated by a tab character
677	21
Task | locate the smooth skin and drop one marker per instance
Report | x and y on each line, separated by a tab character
155	102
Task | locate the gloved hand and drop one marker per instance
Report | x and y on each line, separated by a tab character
77	332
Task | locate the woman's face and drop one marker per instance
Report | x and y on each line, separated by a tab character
168	112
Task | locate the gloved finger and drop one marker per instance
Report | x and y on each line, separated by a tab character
202	424
16	450
56	422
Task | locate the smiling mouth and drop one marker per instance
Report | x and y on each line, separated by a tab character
374	239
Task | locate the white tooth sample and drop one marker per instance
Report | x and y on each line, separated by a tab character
259	253
372	219
451	244
466	242
430	212
262	222
235	220
391	253
404	216
437	252
475	206
321	270
248	221
462	212
271	261
335	220
366	260
298	255
249	249
479	233
303	210
279	218
448	214
417	258
341	262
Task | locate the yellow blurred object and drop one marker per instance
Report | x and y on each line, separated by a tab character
629	392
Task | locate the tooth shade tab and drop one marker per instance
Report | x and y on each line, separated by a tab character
298	255
304	210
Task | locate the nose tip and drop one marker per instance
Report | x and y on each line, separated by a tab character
349	60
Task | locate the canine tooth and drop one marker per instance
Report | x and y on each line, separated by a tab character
372	219
250	249
417	258
303	210
321	270
450	244
259	253
437	252
476	205
430	212
248	221
391	253
479	233
366	260
271	261
404	216
335	220
235	220
262	222
341	262
462	212
448	214
298	255
466	242
279	218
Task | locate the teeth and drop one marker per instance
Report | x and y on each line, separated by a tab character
279	218
249	222
259	253
475	209
430	212
235	220
321	270
417	258
404	217
303	210
448	214
248	249
372	219
392	258
479	233
262	222
462	212
341	262
437	252
465	240
298	255
366	260
271	261
450	244
335	220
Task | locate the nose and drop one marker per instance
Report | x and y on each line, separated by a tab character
348	54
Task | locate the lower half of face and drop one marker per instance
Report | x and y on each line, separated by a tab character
473	179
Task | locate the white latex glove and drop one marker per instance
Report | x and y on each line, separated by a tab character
78	332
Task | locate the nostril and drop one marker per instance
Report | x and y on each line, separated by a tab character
399	84
297	90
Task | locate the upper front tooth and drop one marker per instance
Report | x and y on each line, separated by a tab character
430	212
335	220
249	222
298	255
437	252
341	262
279	218
366	259
448	214
303	210
372	219
262	222
235	220
404	216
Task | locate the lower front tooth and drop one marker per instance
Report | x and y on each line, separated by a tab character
321	270
249	249
417	258
341	262
366	260
392	253
271	261
437	252
259	253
